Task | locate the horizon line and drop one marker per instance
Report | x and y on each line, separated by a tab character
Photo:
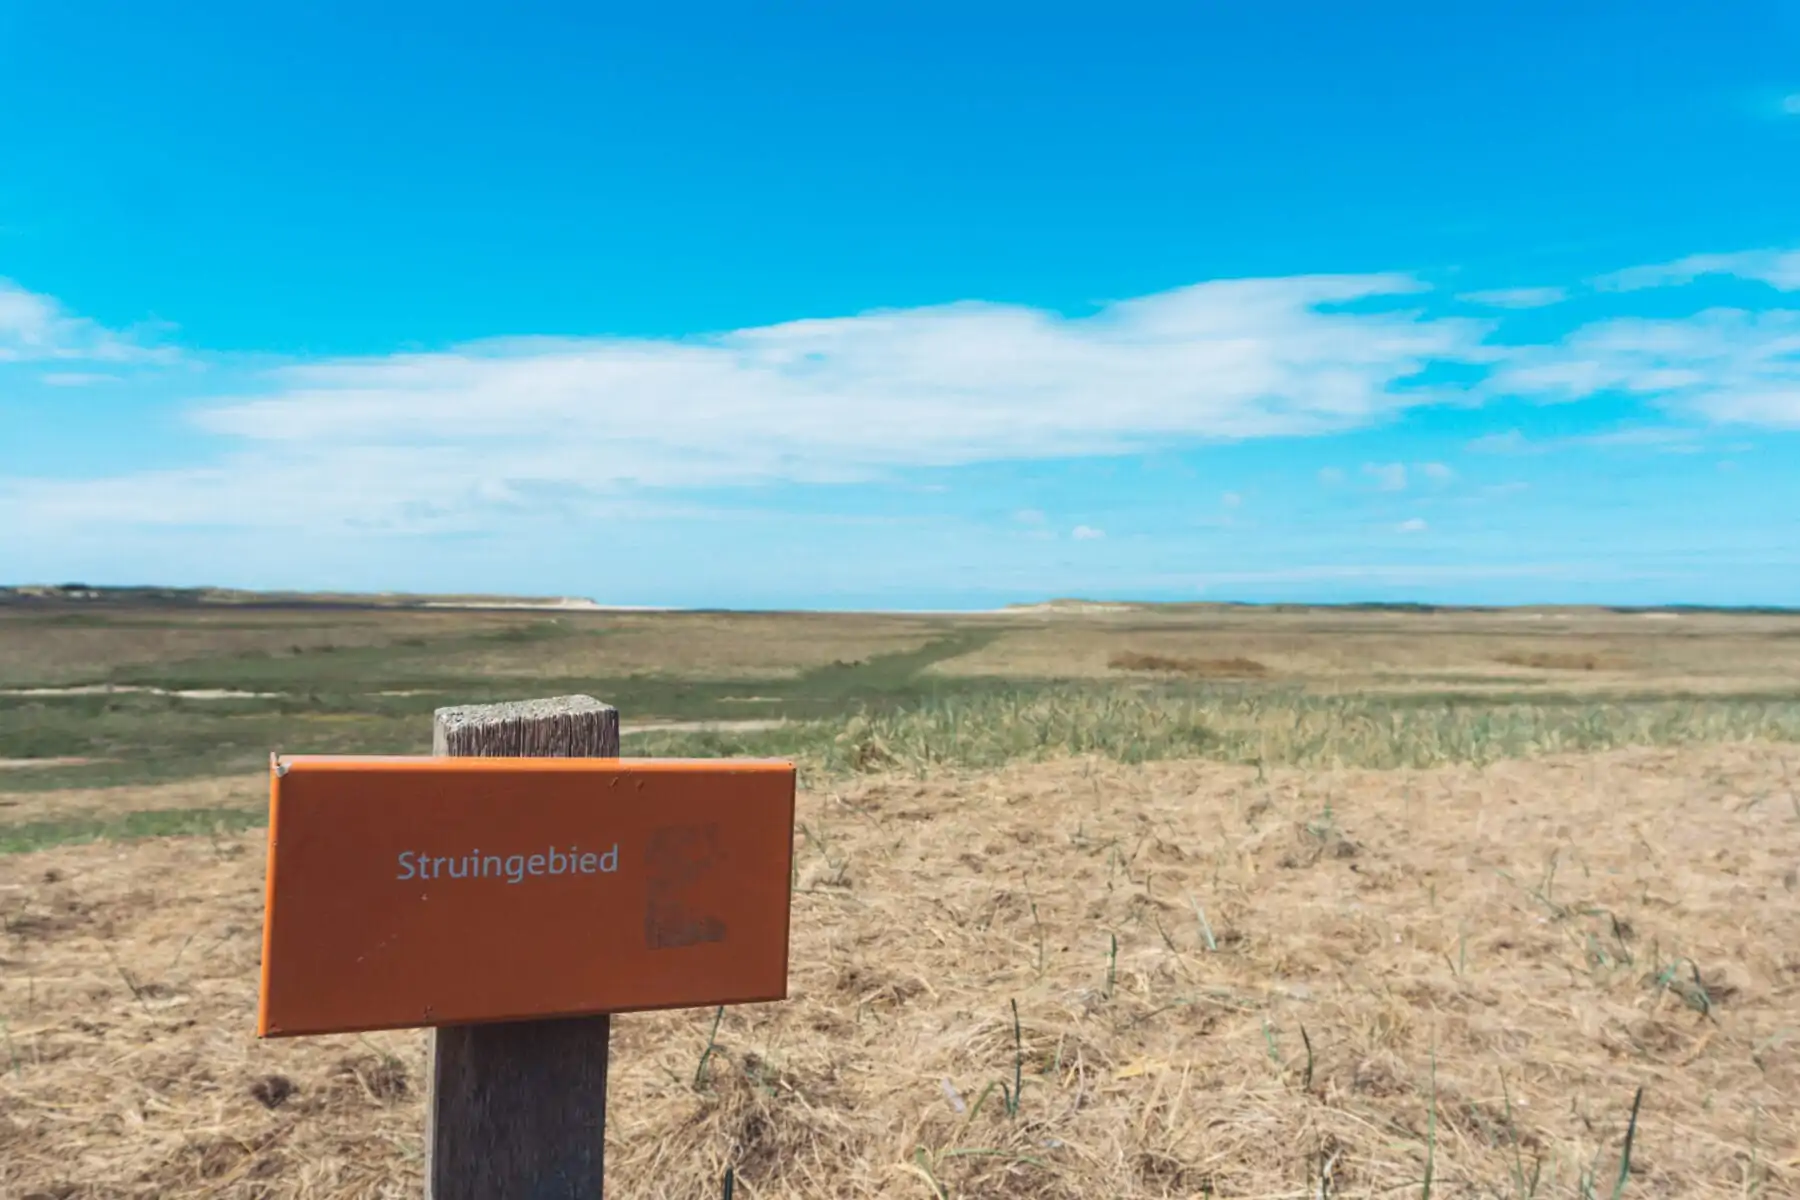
327	598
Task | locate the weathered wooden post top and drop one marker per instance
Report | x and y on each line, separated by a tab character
510	892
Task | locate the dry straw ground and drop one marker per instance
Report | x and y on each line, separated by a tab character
1295	984
1524	650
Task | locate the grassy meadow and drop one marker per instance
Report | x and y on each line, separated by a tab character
1090	899
97	694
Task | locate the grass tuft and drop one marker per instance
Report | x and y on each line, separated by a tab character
988	729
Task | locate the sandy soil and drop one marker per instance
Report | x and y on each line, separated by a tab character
1552	935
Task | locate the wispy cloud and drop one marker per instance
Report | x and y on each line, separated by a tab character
514	430
35	328
1412	525
1087	533
1663	438
1525	297
1509	442
1721	365
439	440
73	379
1389	477
1777	268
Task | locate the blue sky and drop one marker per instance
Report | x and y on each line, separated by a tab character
921	305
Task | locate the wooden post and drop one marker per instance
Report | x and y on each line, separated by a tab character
518	1109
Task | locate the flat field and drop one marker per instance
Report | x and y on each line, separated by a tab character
1296	903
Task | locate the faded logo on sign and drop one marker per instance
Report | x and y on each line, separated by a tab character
677	858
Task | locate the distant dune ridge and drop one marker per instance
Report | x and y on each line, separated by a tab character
76	592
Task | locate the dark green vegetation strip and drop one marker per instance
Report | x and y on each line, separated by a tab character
984	728
331	702
38	835
885	712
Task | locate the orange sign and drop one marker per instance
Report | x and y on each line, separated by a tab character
445	891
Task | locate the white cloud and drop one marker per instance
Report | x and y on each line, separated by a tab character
1437	472
35	328
1412	525
1529	297
1777	268
1389	477
1722	365
945	386
444	440
1029	516
1658	437
1231	500
1087	533
1510	442
76	378
1662	438
494	432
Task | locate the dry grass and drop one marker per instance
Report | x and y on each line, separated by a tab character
39	648
230	792
49	645
1563	660
1375	939
1203	668
706	645
1227	983
1357	650
1247	726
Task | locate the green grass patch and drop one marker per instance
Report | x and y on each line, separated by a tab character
976	725
989	728
888	719
175	822
145	737
403	662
